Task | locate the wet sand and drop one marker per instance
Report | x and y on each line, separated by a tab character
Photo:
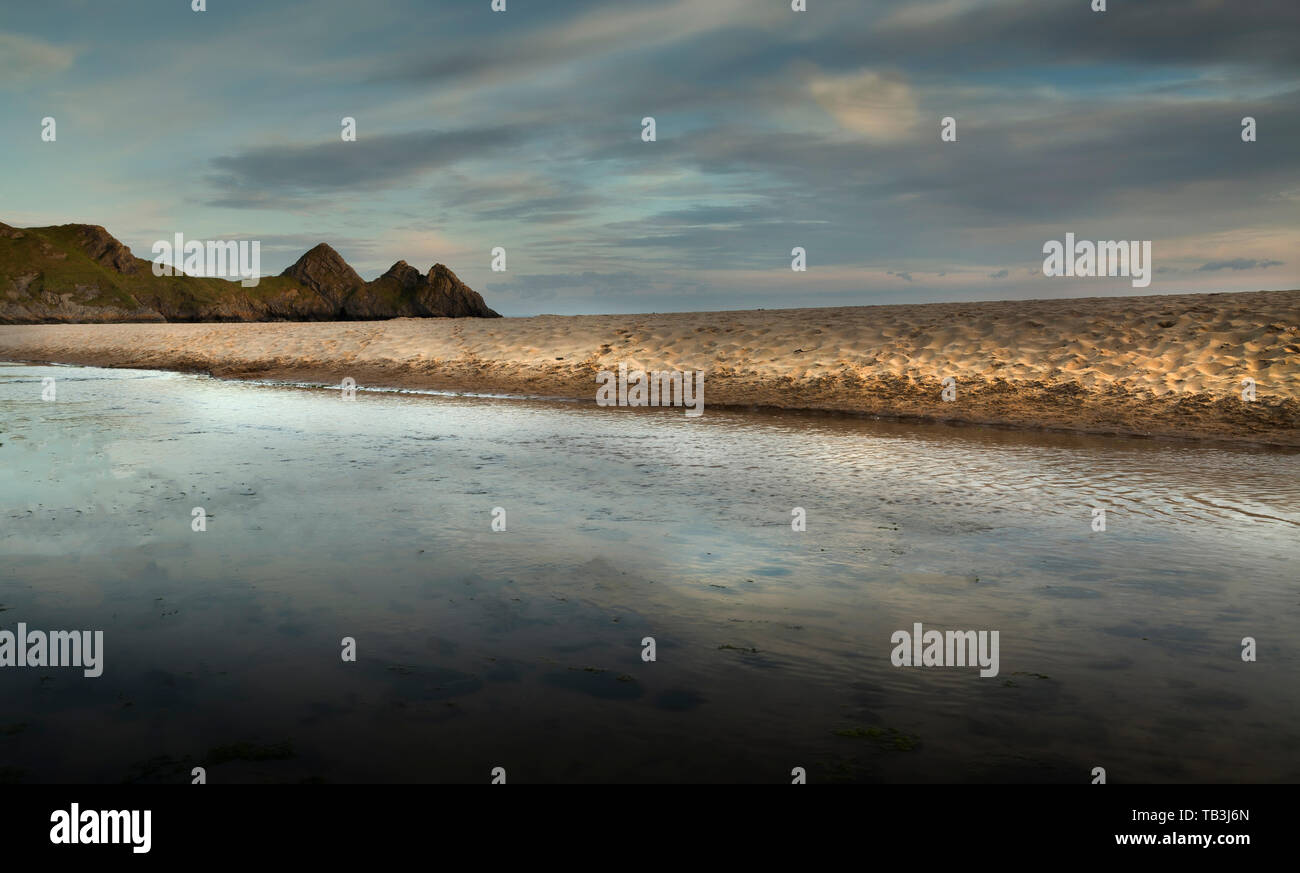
522	647
1170	366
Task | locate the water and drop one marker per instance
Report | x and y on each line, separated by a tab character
522	649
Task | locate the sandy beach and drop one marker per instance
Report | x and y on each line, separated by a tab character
1160	366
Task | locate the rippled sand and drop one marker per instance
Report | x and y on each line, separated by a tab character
1165	365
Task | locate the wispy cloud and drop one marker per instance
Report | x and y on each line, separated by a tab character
1238	264
775	129
373	160
27	58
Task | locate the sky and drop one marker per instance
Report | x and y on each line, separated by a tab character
774	129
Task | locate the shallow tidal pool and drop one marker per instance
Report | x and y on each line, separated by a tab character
523	648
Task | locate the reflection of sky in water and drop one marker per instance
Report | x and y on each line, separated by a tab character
371	519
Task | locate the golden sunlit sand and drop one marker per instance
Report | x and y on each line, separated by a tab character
1166	365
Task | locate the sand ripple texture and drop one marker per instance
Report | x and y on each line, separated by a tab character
1170	365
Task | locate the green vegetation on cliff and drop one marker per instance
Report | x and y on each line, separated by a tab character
80	273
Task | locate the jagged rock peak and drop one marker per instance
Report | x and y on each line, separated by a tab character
442	271
404	273
105	250
322	261
43	279
324	271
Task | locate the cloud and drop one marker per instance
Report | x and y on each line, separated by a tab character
24	58
587	33
1004	34
374	160
1237	264
880	107
1151	169
776	130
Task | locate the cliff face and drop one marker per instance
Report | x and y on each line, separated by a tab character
80	273
405	289
324	271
